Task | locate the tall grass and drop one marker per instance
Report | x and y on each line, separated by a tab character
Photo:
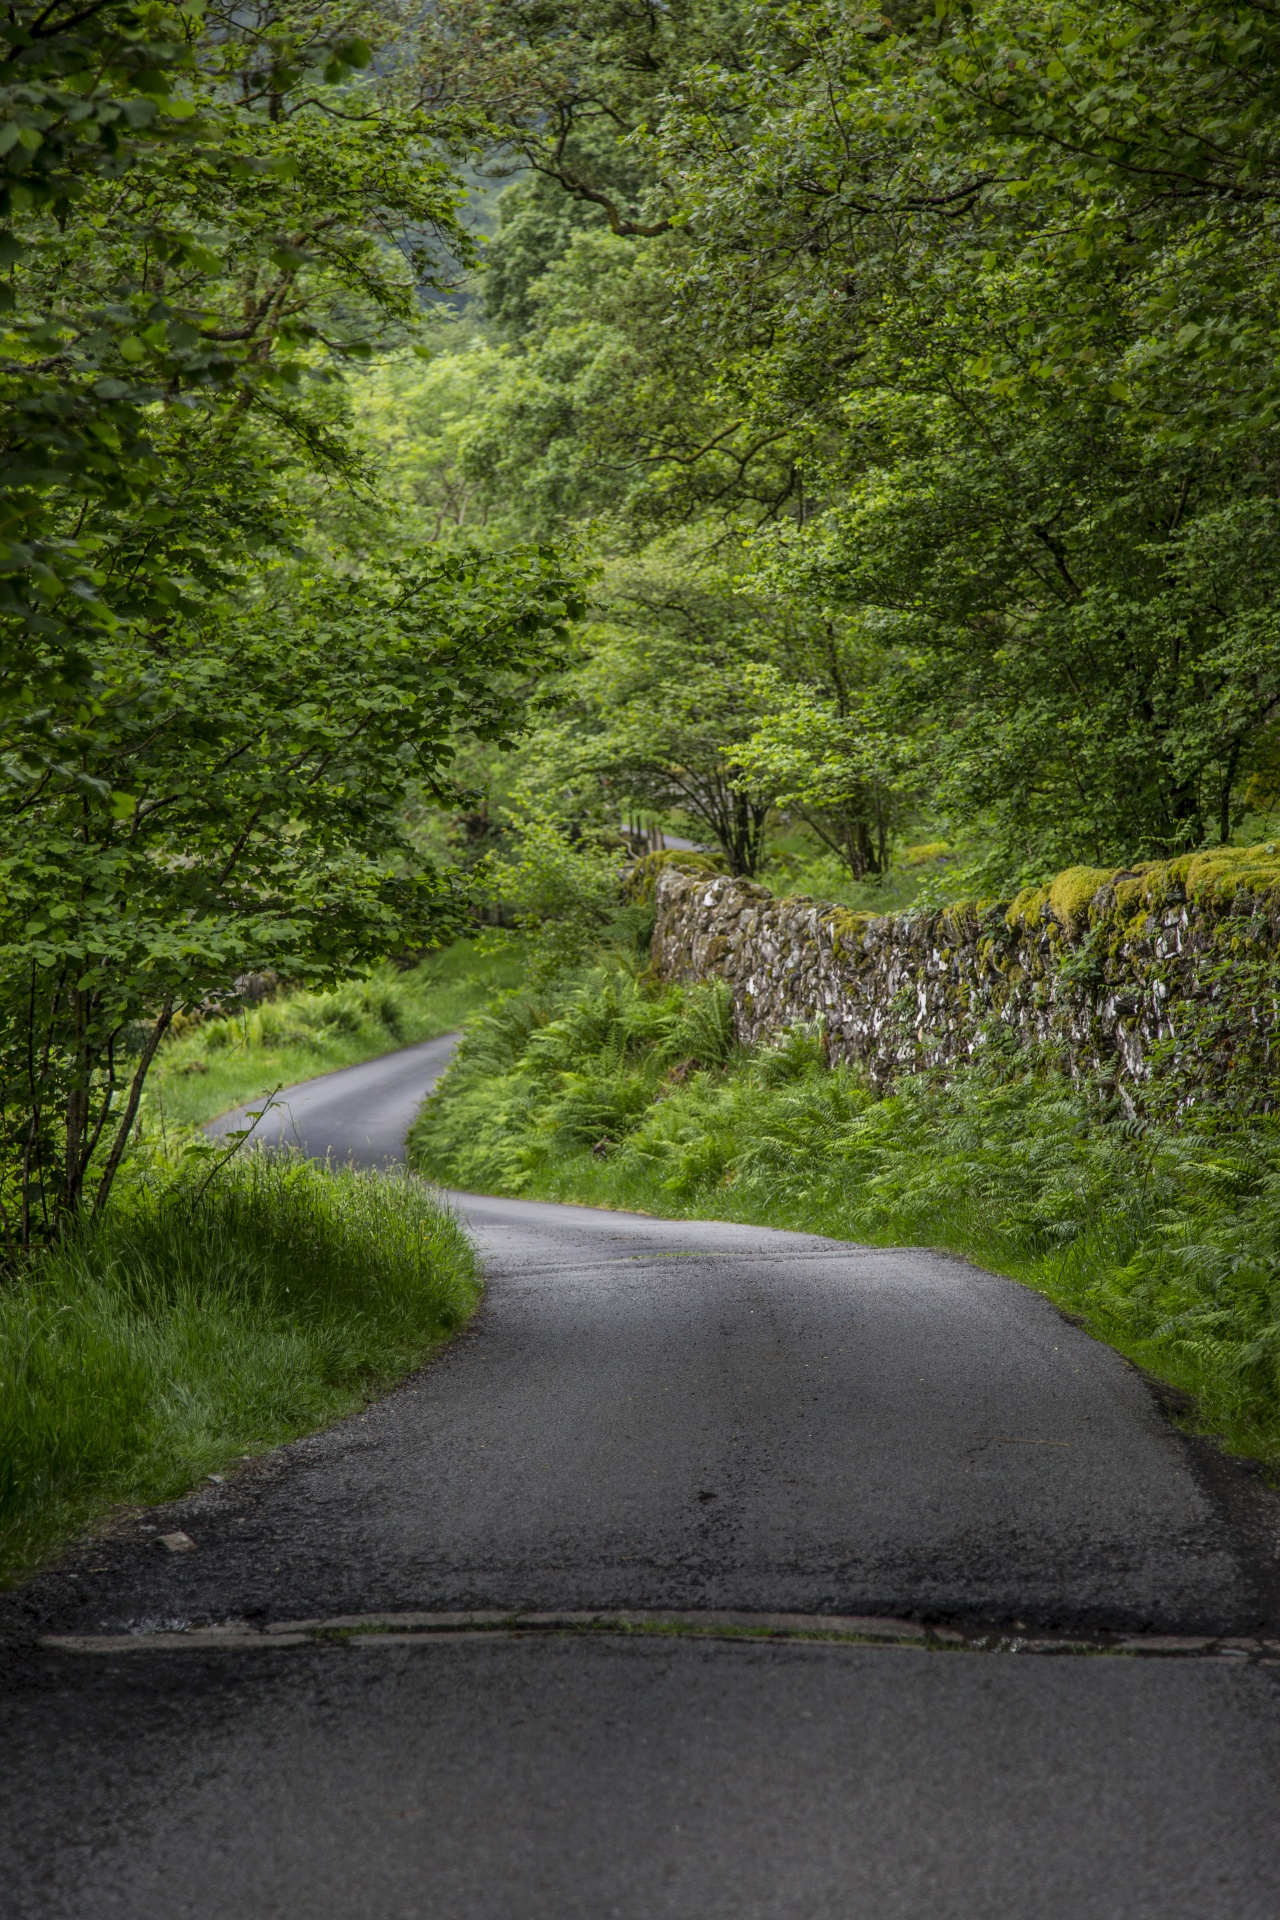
1165	1241
186	1329
215	1063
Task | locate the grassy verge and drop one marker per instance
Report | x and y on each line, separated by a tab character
186	1330
1166	1244
215	1064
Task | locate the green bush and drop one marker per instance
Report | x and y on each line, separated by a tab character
1165	1240
574	1065
186	1328
567	894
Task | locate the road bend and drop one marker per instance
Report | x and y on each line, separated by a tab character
714	1573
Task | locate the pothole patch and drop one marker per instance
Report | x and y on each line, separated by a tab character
791	1629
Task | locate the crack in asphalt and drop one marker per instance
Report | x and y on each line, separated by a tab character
791	1629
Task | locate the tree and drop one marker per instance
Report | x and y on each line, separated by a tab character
235	801
212	726
207	215
821	760
566	88
610	412
81	91
956	300
1081	650
1152	137
415	418
653	714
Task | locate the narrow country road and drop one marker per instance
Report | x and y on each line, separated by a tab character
1030	1668
359	1114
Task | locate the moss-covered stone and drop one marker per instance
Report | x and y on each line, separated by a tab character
1068	898
643	873
1111	968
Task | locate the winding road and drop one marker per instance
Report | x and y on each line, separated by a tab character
713	1574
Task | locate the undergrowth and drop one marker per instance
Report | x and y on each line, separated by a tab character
220	1061
1164	1241
189	1327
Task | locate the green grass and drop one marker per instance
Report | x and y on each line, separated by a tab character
184	1331
215	1064
1165	1242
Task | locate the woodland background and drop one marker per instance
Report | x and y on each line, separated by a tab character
445	449
440	443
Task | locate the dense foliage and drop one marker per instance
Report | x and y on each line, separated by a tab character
212	723
906	373
251	811
948	328
195	236
959	302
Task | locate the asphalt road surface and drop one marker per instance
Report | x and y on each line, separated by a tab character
497	1648
359	1114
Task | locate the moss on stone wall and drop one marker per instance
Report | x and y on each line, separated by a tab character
1081	896
1066	900
643	873
1162	975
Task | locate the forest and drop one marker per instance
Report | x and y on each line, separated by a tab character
906	379
447	451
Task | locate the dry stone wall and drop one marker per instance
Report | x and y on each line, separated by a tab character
1162	977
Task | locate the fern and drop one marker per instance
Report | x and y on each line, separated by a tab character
1166	1241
